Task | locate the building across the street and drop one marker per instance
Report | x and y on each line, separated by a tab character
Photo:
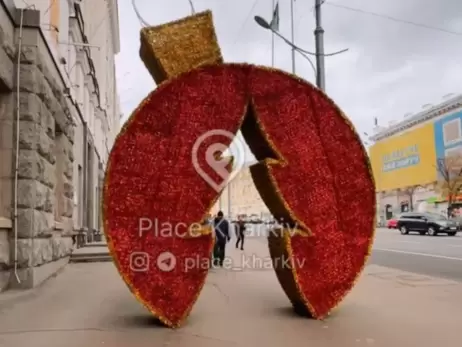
409	159
59	115
241	197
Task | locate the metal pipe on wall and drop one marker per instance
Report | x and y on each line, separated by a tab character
16	169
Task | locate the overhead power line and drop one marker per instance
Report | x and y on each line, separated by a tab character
48	8
249	14
394	19
146	24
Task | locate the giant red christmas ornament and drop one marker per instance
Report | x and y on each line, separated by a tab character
313	172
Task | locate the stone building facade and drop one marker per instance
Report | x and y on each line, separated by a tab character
61	120
36	239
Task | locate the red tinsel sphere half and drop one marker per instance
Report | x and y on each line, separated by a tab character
153	192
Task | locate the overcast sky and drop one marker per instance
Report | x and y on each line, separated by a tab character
391	68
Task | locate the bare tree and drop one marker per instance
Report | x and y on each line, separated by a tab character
409	193
450	178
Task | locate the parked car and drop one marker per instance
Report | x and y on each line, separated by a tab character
426	223
391	223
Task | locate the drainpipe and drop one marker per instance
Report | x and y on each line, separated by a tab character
16	169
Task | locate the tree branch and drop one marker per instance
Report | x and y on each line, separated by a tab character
450	170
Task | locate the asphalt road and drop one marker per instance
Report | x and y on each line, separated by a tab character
439	256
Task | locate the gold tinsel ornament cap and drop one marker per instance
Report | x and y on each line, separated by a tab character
170	49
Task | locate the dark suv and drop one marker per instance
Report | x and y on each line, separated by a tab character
426	223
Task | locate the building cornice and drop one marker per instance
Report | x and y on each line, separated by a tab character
434	112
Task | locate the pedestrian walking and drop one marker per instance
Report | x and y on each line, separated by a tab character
240	232
222	236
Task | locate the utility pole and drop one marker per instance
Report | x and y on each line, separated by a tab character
319	38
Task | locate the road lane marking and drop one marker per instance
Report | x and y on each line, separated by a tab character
416	253
414	242
421	243
436	244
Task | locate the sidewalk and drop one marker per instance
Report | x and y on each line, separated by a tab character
88	305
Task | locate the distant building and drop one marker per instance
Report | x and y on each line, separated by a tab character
405	157
241	197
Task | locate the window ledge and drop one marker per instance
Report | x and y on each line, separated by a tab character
5	223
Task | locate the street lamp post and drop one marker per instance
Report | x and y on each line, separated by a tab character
265	25
319	71
319	40
293	33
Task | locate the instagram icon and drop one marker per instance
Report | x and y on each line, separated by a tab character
139	262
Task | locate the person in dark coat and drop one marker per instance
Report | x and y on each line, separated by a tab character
240	232
222	236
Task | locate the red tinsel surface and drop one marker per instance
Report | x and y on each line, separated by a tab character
151	176
327	182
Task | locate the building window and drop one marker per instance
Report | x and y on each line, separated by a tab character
453	152
79	195
59	173
455	163
388	212
96	209
81	86
404	206
452	132
91	111
89	188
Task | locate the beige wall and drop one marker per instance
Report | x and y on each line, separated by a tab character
245	198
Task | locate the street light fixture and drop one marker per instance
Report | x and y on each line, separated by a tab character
265	25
